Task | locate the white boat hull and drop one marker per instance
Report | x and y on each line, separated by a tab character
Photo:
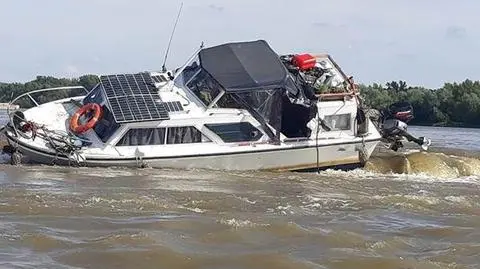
280	158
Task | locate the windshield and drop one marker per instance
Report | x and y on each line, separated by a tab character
95	95
204	87
196	80
107	126
187	73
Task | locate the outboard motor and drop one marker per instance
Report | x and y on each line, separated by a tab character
392	123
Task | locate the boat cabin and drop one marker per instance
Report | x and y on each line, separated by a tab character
231	93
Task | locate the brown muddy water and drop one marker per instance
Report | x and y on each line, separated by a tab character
421	210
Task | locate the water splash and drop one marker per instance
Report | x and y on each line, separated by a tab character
433	164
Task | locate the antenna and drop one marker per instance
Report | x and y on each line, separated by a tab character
164	69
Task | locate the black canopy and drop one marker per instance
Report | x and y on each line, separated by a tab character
243	66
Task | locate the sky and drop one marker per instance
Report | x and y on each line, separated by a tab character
424	42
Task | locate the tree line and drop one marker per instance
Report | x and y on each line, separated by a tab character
454	104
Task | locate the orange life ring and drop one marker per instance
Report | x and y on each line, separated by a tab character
82	128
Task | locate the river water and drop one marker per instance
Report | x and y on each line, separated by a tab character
420	210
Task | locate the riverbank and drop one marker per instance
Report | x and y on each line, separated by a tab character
447	125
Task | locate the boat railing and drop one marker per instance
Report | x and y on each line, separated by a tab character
31	95
336	96
350	88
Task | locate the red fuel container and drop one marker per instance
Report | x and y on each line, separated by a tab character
304	61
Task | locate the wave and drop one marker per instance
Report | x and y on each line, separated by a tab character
433	164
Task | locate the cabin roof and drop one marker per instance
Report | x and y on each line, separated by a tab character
244	66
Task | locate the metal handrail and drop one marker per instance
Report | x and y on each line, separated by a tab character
29	94
338	94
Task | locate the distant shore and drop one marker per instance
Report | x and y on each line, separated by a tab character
447	125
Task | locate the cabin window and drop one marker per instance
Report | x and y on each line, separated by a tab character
142	137
229	101
204	87
340	122
184	135
106	126
235	132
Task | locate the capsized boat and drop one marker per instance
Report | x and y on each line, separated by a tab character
235	106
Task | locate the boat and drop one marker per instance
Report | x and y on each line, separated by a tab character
233	106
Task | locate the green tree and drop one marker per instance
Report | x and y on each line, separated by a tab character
452	104
88	81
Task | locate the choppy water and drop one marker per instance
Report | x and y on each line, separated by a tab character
459	138
401	212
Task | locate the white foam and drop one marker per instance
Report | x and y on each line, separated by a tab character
361	174
245	199
193	209
461	201
327	201
236	223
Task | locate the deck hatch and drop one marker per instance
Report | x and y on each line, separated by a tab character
133	98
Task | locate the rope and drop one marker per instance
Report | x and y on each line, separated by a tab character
61	143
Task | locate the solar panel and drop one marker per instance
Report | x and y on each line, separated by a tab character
133	98
159	78
175	106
